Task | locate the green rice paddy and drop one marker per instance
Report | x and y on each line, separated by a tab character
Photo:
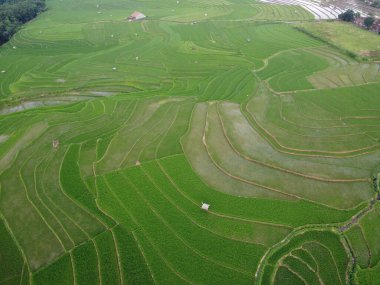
113	134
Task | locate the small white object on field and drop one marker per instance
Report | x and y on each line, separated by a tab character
177	2
137	58
111	36
97	5
113	68
3	71
14	47
99	12
206	14
205	206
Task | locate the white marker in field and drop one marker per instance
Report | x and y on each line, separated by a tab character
114	68
206	14
137	58
177	2
14	47
3	71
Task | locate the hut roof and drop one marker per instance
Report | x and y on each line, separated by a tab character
205	206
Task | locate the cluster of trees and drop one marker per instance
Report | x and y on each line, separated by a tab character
350	16
375	4
368	22
14	13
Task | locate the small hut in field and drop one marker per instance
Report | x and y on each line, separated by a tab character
136	16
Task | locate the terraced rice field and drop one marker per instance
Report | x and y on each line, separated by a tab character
113	134
320	12
347	37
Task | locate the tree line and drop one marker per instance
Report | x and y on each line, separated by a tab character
14	13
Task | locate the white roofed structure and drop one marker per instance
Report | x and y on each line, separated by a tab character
205	206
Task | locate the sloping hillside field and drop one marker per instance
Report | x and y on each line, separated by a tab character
113	133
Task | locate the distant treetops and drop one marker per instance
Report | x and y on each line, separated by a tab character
14	13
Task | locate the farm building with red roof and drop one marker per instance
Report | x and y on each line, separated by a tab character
136	16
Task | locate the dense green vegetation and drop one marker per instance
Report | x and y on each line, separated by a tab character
14	13
113	133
